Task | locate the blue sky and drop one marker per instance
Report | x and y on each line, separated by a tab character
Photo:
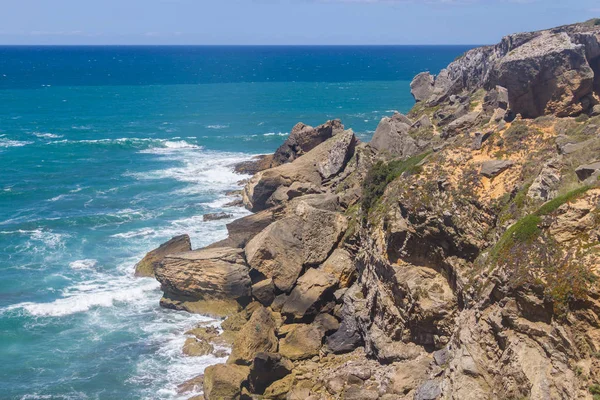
281	21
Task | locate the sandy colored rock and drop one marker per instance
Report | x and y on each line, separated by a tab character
224	381
312	288
257	336
302	342
196	348
341	266
176	245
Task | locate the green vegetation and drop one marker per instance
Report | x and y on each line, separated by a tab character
582	118
552	205
382	174
595	390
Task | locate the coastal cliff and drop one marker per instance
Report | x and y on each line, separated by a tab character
455	256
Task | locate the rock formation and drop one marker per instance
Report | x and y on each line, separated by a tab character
455	257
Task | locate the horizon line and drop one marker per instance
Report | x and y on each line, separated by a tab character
237	45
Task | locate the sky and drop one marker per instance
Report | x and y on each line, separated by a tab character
282	22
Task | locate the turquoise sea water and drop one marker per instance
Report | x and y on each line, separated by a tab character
106	152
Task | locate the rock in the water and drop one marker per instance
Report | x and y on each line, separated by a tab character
196	348
422	86
215	216
266	369
585	171
224	381
178	244
254	166
257	336
303	139
312	289
302	342
493	168
215	279
392	136
191	385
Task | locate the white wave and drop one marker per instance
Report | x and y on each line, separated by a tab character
51	240
136	233
88	295
45	135
81	127
217	126
182	144
4	142
59	197
275	134
83	264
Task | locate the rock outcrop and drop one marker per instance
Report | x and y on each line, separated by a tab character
179	244
455	257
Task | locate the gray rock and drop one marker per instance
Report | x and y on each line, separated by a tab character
441	357
423	122
430	390
585	171
493	168
264	292
496	98
303	139
422	86
391	136
461	124
570	148
338	156
479	139
544	185
595	111
215	216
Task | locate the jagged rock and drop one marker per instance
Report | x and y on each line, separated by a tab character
303	139
341	266
422	86
595	111
392	137
326	323
206	333
347	337
216	216
312	288
208	281
585	171
407	376
266	369
387	350
264	292
196	348
305	173
224	381
493	168
257	336
257	164
178	244
302	342
279	389
496	98
359	393
544	185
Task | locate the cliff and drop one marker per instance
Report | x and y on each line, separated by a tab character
455	256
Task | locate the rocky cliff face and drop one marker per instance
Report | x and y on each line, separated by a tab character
455	256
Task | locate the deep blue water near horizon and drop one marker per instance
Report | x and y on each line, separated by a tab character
108	151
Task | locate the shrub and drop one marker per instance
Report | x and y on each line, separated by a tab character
382	174
582	118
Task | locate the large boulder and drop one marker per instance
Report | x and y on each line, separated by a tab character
341	266
313	288
209	281
243	229
256	336
422	86
392	136
305	237
179	244
303	341
303	176
493	168
303	139
224	381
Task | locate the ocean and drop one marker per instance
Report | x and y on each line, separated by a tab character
106	152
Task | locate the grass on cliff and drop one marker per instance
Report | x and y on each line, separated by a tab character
382	174
526	229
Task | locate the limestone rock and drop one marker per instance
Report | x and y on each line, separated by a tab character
196	348
545	184
257	336
224	381
210	276
430	390
462	124
278	390
337	157
493	168
595	111
254	166
302	342
312	288
242	230
303	139
266	369
178	244
423	122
